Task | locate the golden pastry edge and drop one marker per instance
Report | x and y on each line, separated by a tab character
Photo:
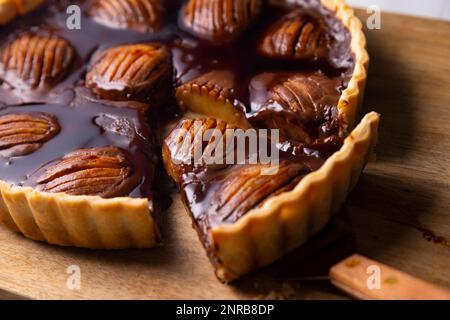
80	221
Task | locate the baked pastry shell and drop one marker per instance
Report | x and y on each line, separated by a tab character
80	221
288	220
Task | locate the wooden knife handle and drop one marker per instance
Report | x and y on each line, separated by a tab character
367	279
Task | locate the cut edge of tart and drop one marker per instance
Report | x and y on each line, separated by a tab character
81	221
286	221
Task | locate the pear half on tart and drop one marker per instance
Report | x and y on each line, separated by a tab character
140	15
246	218
213	94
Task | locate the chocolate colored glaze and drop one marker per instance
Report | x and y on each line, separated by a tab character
88	122
218	193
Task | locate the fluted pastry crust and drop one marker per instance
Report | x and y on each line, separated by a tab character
81	221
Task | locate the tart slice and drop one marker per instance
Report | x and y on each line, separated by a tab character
246	215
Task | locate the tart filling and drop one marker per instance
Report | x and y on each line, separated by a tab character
24	133
101	152
213	94
296	36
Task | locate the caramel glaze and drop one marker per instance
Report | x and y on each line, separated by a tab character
191	57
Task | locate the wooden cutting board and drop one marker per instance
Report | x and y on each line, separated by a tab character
399	214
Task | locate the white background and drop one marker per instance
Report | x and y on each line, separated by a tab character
438	9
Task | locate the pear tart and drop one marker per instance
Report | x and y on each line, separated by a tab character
79	162
140	15
80	175
81	114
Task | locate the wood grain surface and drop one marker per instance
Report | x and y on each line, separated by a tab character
399	214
